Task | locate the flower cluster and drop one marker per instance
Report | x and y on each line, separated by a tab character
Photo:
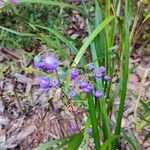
79	79
50	63
84	84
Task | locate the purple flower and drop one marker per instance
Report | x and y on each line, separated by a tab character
98	94
83	83
51	62
91	67
90	86
54	82
74	128
98	74
38	62
86	90
2	4
73	93
107	78
89	130
44	82
40	65
74	73
14	1
102	69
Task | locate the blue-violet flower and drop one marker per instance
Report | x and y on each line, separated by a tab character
98	74
107	78
89	130
83	83
73	93
75	73
102	69
44	82
98	94
51	62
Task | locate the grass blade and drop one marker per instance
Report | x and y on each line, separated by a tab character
55	3
146	107
91	38
101	40
107	143
132	142
125	72
18	33
61	37
75	142
51	143
94	122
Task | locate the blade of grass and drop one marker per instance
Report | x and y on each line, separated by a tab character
146	107
50	42
132	142
75	142
125	72
136	18
55	3
107	143
107	8
61	37
51	143
105	119
55	45
101	40
145	74
18	33
91	38
94	122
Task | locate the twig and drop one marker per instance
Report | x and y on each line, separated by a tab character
17	98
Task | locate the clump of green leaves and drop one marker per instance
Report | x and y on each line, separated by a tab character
19	17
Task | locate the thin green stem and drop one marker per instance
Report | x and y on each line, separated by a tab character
105	119
94	121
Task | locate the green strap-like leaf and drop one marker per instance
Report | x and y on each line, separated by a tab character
75	142
107	143
91	38
51	143
61	37
94	122
18	33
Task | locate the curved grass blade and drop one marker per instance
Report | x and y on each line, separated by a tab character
101	39
145	106
107	143
91	38
50	2
75	142
125	72
132	142
61	37
18	33
51	143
